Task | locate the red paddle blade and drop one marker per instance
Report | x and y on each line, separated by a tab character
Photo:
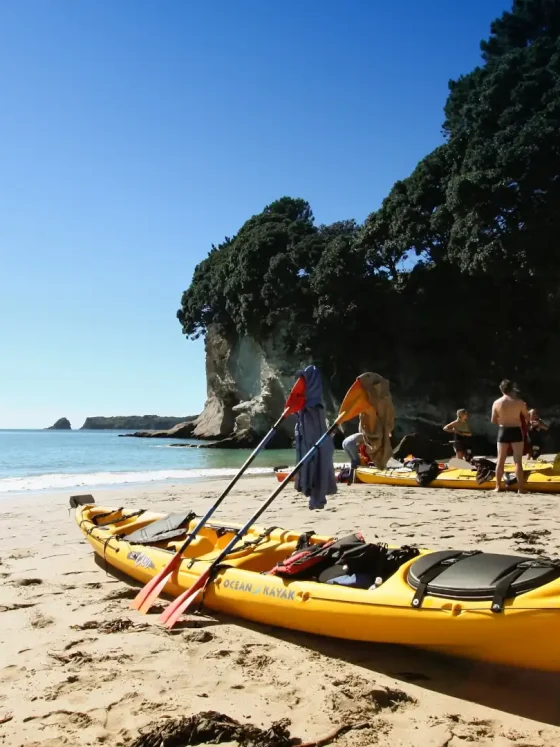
296	398
170	615
148	593
354	403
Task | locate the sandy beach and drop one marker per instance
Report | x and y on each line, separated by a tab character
71	674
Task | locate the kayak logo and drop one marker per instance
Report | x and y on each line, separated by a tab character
265	591
141	560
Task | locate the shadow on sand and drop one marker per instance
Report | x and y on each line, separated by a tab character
527	693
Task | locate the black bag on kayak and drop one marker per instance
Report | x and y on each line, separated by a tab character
367	563
427	473
485	470
361	561
307	562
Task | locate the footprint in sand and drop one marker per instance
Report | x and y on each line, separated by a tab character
471	730
219	654
63	688
41	621
74	573
21	554
26	581
11	607
120	594
11	673
63	718
199	636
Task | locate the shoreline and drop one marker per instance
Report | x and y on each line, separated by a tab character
140	485
67	680
187	477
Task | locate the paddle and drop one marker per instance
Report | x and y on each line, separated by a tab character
456	463
151	591
354	402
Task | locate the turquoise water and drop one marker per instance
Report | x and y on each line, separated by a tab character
55	460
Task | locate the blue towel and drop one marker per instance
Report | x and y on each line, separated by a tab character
354	580
316	478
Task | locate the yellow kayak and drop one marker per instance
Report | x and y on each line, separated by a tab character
453	478
544	480
483	606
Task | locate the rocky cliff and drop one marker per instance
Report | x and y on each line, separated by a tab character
131	422
62	424
247	383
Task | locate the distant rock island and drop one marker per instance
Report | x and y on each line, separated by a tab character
133	422
62	424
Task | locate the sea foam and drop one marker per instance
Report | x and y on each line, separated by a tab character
96	479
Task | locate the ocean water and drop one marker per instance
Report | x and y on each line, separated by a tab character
56	460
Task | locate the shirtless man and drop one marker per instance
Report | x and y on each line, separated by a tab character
506	414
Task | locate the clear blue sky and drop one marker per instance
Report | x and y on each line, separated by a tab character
134	133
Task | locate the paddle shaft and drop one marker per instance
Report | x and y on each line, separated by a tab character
232	484
176	608
149	593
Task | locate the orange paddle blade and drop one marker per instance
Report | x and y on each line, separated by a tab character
354	403
296	398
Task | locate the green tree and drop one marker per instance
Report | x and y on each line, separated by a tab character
454	281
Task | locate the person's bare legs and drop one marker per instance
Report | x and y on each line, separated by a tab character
502	454
518	460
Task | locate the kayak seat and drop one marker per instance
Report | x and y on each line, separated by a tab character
474	575
168	528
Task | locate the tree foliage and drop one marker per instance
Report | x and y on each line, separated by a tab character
454	280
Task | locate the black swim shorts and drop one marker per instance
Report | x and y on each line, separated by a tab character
510	434
462	443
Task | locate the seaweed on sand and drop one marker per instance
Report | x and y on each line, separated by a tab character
211	727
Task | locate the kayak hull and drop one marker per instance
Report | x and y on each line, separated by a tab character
525	634
548	480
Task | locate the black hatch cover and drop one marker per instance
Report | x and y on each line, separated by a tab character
454	574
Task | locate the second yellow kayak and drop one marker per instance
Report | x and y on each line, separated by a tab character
536	481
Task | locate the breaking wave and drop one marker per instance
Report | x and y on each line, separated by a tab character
61	481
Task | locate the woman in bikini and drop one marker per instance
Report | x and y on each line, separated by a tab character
463	434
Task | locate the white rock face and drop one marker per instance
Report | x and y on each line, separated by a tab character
247	386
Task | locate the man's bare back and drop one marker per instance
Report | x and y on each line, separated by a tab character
507	412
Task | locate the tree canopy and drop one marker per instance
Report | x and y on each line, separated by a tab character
454	280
